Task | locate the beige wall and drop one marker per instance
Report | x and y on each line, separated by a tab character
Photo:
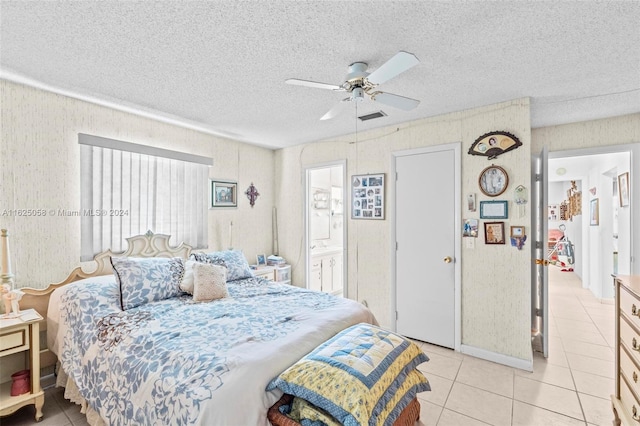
495	279
40	159
588	134
39	154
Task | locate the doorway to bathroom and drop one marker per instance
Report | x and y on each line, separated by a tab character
326	228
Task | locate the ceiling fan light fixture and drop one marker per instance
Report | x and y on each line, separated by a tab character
357	94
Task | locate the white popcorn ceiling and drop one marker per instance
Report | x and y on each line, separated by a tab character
220	66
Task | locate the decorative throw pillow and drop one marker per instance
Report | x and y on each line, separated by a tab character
237	265
209	282
145	280
186	284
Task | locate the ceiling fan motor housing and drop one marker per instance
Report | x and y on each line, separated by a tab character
356	76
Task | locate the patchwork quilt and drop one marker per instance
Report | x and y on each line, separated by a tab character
363	375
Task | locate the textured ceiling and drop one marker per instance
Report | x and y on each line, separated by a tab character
220	66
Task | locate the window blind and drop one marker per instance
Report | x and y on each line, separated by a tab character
128	189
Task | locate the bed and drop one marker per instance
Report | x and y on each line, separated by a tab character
174	360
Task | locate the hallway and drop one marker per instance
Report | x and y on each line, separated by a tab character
571	387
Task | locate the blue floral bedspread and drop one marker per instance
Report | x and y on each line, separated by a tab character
178	362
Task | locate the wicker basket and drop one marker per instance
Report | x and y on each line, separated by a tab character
409	416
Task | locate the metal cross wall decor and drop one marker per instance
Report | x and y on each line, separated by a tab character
252	194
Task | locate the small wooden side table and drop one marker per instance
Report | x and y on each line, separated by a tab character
22	334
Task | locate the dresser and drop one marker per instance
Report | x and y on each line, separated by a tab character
626	400
22	335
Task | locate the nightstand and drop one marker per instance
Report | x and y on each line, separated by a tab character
265	272
22	334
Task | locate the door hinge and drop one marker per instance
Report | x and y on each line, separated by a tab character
396	176
538	177
539	313
396	246
538	244
396	315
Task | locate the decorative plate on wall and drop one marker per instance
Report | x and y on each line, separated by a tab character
493	181
493	144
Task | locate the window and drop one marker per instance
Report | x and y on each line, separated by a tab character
128	189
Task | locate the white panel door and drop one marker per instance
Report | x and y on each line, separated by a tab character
425	255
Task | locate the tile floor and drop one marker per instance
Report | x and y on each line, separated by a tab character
571	387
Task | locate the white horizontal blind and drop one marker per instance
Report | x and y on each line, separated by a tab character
126	192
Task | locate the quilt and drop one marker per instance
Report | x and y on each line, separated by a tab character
363	375
181	362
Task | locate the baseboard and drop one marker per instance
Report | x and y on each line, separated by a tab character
510	361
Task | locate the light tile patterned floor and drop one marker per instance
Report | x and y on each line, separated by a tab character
571	387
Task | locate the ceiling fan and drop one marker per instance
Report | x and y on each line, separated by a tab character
359	83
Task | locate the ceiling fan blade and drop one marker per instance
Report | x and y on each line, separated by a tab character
317	85
399	63
395	101
336	110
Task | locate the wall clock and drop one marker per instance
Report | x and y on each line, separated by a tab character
493	181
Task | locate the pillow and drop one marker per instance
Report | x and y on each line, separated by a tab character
362	375
234	260
145	280
209	282
186	284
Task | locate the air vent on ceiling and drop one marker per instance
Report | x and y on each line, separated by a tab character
373	115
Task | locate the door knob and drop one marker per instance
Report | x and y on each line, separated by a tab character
447	259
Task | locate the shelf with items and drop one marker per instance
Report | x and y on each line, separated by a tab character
22	334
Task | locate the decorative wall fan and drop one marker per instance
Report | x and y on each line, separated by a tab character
492	144
359	83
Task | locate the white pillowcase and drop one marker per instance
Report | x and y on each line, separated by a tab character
186	284
209	282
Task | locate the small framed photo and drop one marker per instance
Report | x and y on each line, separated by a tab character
470	228
223	194
623	189
494	209
517	231
367	196
594	214
494	233
261	259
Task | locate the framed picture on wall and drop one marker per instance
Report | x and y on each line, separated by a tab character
223	194
494	233
367	196
594	218
517	231
623	189
494	209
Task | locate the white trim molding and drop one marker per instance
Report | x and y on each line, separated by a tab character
522	364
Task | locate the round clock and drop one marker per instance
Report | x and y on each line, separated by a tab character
493	181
